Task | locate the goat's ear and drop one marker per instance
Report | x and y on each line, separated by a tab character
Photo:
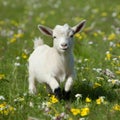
45	30
79	27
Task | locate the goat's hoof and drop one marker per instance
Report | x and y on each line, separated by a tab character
57	93
66	95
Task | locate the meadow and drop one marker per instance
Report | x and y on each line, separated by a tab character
96	91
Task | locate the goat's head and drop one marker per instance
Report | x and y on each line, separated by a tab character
62	35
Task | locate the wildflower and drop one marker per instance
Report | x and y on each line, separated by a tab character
98	70
88	100
70	118
108	56
96	85
13	22
90	42
118	44
114	81
2	76
53	99
108	73
48	104
12	40
19	35
100	78
17	58
95	34
42	22
17	64
31	104
78	36
2	98
24	56
85	111
100	100
78	95
86	60
112	36
19	99
6	109
75	111
64	115
118	72
47	109
116	107
112	44
15	37
82	118
95	10
104	14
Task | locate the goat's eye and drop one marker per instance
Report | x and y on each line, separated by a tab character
54	37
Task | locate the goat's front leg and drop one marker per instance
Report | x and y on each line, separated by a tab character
32	87
54	85
67	88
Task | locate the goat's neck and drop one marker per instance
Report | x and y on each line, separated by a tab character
66	57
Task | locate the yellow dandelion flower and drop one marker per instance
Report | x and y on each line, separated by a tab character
88	100
118	44
13	22
57	114
77	19
104	14
53	99
48	104
110	49
108	56
96	85
24	56
11	109
12	40
100	100
95	34
6	109
116	107
70	118
113	81
78	36
19	35
75	111
5	112
118	72
2	76
85	111
42	22
112	36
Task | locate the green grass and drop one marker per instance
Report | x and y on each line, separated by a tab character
18	27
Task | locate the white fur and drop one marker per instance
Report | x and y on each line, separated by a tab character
52	65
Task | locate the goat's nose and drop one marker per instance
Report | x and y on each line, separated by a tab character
64	44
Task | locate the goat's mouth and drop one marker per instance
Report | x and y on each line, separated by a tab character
64	48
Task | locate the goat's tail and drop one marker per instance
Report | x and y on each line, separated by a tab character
38	42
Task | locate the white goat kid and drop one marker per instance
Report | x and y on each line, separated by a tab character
52	65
